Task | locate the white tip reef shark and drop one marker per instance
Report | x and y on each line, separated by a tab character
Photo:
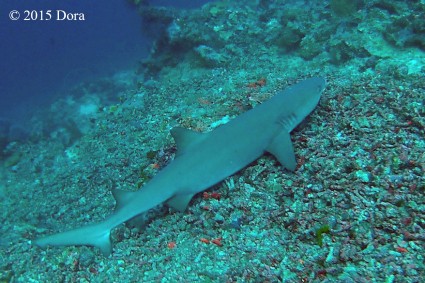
204	159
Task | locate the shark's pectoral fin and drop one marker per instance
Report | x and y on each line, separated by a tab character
179	202
184	138
281	147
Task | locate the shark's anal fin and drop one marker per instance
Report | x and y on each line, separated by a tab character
180	202
281	147
184	138
104	243
138	222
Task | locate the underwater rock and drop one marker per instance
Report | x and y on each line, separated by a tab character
407	32
310	47
209	57
345	8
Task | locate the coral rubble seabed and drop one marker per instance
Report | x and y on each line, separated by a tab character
352	212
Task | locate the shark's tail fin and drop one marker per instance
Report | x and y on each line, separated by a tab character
97	235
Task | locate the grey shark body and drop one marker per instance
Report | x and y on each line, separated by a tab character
204	159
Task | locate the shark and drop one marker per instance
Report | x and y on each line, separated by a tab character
205	159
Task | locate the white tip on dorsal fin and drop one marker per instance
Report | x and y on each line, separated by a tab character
184	138
180	202
281	147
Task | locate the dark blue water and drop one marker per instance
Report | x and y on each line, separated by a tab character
41	59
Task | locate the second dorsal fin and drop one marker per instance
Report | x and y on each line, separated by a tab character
185	138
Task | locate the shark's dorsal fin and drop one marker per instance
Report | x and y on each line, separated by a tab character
180	202
281	147
184	138
121	197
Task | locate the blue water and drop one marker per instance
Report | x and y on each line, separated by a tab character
41	60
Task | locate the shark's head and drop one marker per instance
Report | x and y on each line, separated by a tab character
300	100
308	94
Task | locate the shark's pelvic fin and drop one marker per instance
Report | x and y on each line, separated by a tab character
281	147
180	202
184	138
